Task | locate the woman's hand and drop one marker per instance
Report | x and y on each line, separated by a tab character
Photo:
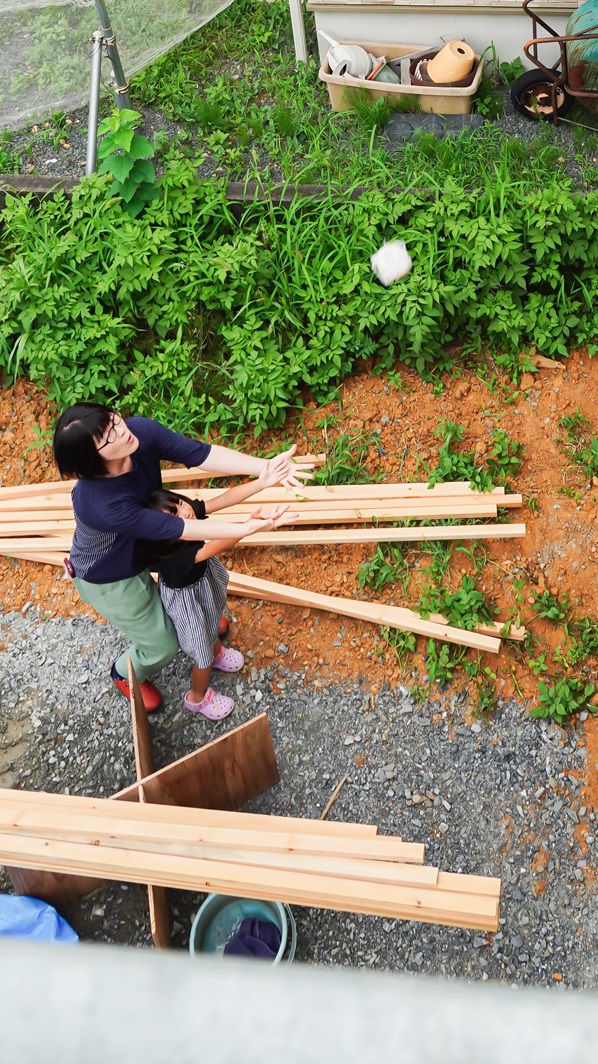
288	473
260	522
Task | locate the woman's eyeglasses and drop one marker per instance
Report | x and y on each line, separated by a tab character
112	433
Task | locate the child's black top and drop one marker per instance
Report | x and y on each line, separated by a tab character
180	569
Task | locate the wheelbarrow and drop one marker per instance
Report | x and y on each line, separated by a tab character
550	92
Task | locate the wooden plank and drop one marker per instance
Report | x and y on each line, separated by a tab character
142	739
112	826
169	476
41	557
394	616
414	509
159	913
198	818
298	858
60	501
177	476
488	885
404	902
252	587
287	537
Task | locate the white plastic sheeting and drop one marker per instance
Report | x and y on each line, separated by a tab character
45	47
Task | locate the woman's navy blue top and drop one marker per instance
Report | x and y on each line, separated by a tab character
111	512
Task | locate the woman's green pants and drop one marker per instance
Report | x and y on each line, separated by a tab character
134	607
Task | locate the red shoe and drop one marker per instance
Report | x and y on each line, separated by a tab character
152	699
223	627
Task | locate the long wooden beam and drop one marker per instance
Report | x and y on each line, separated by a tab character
285	537
169	476
40	524
395	616
301	888
201	819
113	825
245	586
310	498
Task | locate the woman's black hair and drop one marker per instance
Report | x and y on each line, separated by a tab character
78	431
151	552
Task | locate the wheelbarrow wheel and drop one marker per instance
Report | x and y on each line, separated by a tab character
531	95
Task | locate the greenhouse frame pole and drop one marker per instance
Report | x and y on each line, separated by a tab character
298	24
103	38
122	86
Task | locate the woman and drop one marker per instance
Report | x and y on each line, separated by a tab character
117	465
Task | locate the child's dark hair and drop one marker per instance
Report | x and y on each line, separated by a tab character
166	501
152	553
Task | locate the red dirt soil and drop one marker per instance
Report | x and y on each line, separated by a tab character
558	553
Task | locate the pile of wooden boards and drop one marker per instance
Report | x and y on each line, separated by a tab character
37	523
323	864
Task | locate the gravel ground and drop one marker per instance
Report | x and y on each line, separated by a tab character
52	151
500	797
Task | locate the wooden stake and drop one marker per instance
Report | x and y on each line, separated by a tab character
335	794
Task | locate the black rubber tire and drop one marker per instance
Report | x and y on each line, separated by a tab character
531	97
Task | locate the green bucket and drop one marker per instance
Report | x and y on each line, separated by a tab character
220	917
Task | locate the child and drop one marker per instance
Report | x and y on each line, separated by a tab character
192	584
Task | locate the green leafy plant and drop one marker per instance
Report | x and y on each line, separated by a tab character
403	643
505	458
478	556
126	156
547	605
464	608
538	665
345	460
386	566
509	72
455	465
564	698
442	661
486	700
419	694
581	444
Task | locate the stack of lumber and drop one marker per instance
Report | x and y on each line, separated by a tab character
318	863
37	523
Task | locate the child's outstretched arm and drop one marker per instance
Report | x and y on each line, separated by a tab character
257	523
271	475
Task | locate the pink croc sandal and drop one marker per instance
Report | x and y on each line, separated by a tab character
214	706
229	660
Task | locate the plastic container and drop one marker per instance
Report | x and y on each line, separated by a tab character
220	917
436	100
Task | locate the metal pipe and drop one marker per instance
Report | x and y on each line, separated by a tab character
90	1004
122	86
94	102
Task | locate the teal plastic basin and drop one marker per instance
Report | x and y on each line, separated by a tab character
220	917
